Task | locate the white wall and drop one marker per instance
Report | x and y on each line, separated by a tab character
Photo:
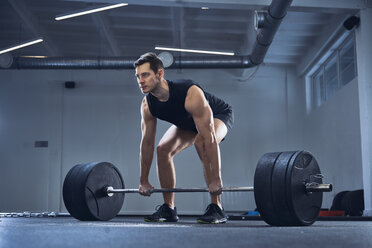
364	60
99	120
338	132
332	133
24	118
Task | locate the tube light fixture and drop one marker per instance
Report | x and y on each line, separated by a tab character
34	56
89	11
29	43
194	51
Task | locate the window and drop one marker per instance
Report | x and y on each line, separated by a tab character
347	62
330	77
335	72
318	86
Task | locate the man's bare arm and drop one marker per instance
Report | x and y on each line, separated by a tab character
148	127
197	105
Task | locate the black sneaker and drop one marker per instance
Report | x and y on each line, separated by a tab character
163	214
213	215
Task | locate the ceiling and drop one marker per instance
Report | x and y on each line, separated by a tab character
139	27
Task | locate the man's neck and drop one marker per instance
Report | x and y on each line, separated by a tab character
162	91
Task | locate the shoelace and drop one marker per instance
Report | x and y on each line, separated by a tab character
209	209
158	209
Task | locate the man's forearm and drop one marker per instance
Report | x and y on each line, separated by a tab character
146	156
213	158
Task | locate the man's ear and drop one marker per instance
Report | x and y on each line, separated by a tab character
160	73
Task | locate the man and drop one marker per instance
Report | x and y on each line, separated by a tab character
198	118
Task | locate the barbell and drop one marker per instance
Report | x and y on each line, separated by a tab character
288	189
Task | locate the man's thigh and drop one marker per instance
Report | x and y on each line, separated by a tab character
220	129
175	140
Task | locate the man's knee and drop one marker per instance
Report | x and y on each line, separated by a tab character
163	152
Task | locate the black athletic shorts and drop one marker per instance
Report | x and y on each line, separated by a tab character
227	117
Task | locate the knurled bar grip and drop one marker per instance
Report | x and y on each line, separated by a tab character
309	187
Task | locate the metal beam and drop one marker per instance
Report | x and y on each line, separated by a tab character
281	60
176	28
298	5
101	22
177	20
30	22
328	35
248	42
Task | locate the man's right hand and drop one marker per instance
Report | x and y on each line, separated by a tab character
145	189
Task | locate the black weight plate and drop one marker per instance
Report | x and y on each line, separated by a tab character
337	201
263	189
73	193
305	206
353	203
83	191
279	187
101	206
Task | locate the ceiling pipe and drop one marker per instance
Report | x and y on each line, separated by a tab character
127	62
74	63
276	12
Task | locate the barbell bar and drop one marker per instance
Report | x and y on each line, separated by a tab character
308	187
110	191
288	189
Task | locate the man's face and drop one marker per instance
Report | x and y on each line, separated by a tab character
146	78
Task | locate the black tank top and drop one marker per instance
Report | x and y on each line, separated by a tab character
174	111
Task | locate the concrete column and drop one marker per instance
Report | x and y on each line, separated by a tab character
364	62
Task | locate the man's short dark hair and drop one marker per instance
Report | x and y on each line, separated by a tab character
155	62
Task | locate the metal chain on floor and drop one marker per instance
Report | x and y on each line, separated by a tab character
28	214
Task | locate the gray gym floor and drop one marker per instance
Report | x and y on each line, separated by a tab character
133	232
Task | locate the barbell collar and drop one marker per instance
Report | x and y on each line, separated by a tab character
318	187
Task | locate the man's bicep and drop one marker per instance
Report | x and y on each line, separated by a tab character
203	119
198	107
195	102
148	122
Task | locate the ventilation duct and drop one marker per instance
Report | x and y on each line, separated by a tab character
275	14
127	62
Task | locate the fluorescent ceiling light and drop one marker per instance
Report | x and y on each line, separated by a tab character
29	43
204	8
85	12
34	56
193	51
